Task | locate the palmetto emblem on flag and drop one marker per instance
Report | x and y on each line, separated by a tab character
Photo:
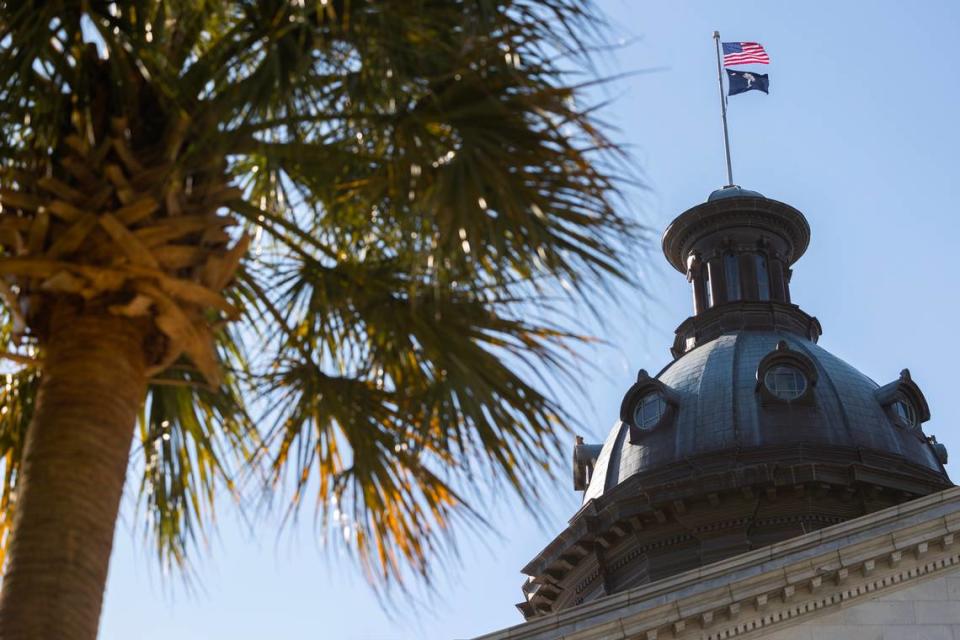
741	81
735	53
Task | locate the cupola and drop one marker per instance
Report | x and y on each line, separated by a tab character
736	250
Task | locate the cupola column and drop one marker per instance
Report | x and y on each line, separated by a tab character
718	280
779	290
695	276
748	276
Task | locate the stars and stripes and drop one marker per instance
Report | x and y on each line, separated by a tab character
744	53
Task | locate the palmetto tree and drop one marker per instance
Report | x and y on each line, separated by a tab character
311	242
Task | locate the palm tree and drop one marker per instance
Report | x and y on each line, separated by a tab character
312	243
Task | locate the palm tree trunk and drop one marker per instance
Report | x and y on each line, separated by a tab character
75	459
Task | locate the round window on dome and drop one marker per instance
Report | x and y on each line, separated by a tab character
906	412
785	381
649	410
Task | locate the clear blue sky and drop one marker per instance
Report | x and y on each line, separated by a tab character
859	132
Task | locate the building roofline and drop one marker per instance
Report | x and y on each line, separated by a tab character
774	586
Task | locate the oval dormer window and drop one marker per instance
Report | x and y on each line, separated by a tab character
785	381
785	377
649	410
647	406
905	412
904	403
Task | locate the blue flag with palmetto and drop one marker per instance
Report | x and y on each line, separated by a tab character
742	81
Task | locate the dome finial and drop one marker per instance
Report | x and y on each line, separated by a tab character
733	191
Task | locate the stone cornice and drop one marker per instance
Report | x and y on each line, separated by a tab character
652	495
773	587
743	316
770	215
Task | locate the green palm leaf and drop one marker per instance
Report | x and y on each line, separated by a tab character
348	225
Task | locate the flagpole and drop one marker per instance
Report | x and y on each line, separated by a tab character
723	111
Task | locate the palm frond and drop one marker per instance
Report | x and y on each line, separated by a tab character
349	223
194	441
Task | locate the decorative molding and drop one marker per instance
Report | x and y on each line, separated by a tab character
647	505
750	627
760	591
764	214
738	315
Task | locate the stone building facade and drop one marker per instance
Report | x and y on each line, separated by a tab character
757	486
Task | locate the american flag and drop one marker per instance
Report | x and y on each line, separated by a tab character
744	53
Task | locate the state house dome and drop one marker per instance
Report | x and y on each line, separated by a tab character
718	410
753	434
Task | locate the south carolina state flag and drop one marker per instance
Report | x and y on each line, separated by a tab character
742	81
